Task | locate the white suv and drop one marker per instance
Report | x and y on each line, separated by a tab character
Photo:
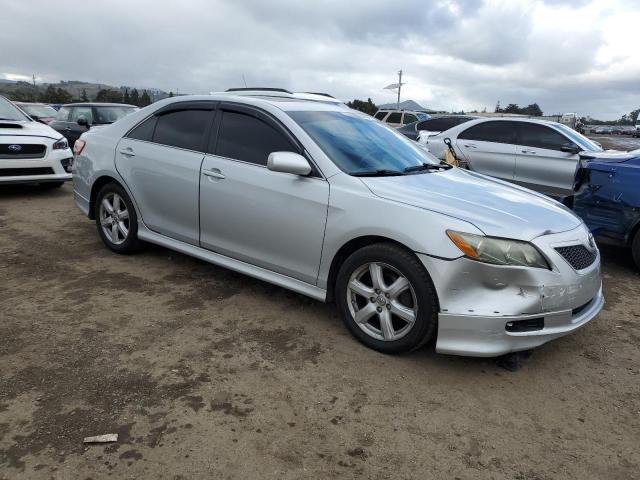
31	151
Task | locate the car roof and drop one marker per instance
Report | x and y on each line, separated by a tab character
293	102
517	119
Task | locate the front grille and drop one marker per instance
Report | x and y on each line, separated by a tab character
23	172
16	151
578	256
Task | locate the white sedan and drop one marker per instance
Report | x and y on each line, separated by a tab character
537	154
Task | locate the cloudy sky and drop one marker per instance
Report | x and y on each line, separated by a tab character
566	55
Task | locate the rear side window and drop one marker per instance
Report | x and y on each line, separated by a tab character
395	117
409	118
380	115
540	136
63	114
182	129
497	132
144	131
244	137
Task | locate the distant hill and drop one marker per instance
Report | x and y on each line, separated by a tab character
406	105
25	91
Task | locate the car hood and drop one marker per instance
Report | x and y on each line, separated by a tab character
497	208
27	129
611	155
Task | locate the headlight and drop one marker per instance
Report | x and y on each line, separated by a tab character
61	144
498	251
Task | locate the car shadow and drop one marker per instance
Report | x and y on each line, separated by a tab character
32	189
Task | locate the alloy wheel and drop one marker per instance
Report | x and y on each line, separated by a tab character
114	218
382	301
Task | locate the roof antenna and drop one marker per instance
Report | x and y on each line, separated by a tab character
245	82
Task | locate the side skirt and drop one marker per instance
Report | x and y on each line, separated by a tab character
223	261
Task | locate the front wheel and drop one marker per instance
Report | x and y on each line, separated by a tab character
116	219
386	298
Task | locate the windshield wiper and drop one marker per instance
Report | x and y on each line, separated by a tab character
377	173
428	166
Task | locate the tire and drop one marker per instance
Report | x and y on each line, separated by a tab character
50	185
635	249
118	232
383	323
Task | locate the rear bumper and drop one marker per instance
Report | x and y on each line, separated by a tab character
486	336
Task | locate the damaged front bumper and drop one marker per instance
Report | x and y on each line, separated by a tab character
489	310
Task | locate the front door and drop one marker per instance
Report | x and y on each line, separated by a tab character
269	219
540	162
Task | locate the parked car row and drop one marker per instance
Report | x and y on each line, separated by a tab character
333	204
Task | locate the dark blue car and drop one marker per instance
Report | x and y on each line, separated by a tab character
608	199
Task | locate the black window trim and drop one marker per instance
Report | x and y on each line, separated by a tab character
269	119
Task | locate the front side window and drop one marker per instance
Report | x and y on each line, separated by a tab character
583	142
357	143
395	117
247	138
81	112
541	136
8	111
182	129
496	132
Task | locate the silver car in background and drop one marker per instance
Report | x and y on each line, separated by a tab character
537	154
330	203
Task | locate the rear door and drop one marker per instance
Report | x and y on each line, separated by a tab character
270	219
489	147
160	161
540	162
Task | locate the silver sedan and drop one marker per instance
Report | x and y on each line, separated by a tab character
314	197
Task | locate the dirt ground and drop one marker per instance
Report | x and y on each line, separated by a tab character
205	373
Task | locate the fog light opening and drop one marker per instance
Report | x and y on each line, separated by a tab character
529	325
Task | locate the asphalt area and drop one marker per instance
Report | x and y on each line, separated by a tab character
205	373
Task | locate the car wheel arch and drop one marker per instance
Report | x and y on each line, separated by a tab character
347	249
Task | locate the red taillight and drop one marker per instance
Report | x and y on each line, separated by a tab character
78	147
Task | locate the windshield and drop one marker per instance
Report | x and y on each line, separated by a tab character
111	114
357	143
8	111
583	142
39	110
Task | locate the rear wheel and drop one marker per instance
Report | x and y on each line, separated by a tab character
635	248
116	219
387	299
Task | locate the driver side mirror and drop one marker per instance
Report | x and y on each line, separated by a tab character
570	148
83	122
288	162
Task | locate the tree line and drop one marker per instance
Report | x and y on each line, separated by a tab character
51	94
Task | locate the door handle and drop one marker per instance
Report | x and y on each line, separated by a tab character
470	145
215	173
530	152
128	152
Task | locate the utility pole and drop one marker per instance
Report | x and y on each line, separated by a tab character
399	88
34	79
